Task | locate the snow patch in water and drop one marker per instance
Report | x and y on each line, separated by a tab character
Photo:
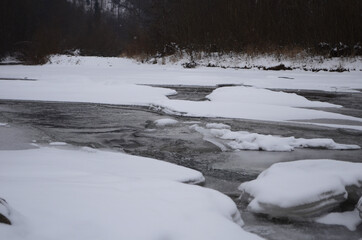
263	96
217	126
302	188
57	143
348	219
243	140
165	122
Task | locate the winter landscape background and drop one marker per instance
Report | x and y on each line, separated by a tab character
138	119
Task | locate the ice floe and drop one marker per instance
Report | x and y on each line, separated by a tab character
226	139
165	122
57	143
349	219
217	126
302	189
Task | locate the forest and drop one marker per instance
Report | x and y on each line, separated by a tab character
33	29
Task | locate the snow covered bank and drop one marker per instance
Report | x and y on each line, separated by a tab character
126	71
88	194
94	161
226	139
264	61
83	91
306	188
57	143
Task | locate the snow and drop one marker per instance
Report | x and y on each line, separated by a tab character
92	160
57	143
217	126
68	193
165	122
308	187
9	60
359	207
263	96
3	124
122	81
243	140
91	194
83	91
348	219
248	111
126	70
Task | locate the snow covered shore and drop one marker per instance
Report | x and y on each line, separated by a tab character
263	61
90	194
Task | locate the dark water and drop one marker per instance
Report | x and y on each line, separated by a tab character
131	129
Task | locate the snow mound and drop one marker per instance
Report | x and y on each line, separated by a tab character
165	122
217	126
305	188
263	96
226	139
348	219
93	160
57	143
86	195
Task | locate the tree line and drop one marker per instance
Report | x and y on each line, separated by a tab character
255	25
36	28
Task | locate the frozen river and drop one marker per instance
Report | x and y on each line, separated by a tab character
131	129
